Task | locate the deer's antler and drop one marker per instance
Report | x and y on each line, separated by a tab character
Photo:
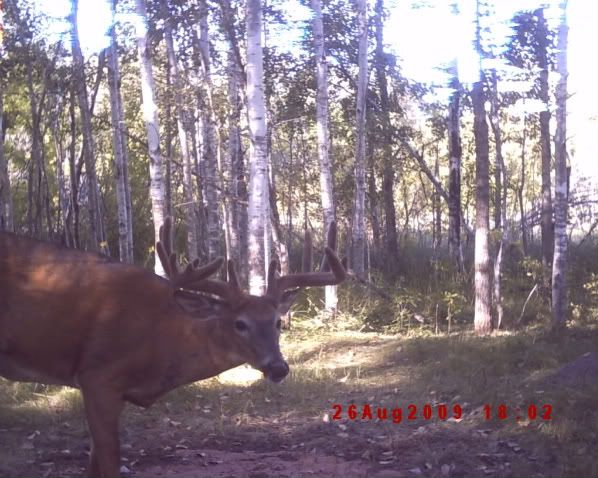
194	277
193	272
330	262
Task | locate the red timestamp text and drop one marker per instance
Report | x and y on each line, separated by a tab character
367	412
531	412
396	414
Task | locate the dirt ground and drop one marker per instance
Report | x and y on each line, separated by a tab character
225	429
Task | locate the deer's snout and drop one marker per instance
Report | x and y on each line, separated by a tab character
276	370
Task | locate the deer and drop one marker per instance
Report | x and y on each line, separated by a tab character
120	333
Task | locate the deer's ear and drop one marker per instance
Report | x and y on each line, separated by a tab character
199	305
287	299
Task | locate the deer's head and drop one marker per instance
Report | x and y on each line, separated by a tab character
252	323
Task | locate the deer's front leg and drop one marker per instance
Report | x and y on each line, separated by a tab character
103	410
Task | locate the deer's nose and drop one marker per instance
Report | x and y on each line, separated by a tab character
276	370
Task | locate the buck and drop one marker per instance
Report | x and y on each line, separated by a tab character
121	334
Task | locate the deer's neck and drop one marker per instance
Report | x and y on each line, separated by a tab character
204	350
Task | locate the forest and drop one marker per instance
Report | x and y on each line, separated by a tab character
464	207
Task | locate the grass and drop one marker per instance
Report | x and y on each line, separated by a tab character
345	367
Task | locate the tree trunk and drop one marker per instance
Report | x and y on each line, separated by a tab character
547	230
521	187
388	174
358	232
373	204
63	197
34	179
233	156
483	312
74	198
559	266
501	198
6	209
326	185
167	158
150	115
119	144
198	157
436	205
211	139
189	207
98	239
454	186
258	168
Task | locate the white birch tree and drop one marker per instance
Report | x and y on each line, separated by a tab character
559	265
258	154
152	126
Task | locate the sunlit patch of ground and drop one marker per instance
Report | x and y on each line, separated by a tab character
240	425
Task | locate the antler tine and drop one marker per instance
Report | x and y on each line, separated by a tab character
336	275
229	291
272	284
331	238
164	248
316	279
307	252
166	234
233	279
164	258
193	273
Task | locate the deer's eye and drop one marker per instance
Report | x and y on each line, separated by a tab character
279	324
241	326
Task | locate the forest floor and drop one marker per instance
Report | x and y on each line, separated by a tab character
239	425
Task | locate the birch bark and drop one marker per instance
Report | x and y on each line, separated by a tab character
150	115
258	170
559	265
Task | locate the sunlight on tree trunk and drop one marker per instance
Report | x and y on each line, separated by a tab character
152	126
